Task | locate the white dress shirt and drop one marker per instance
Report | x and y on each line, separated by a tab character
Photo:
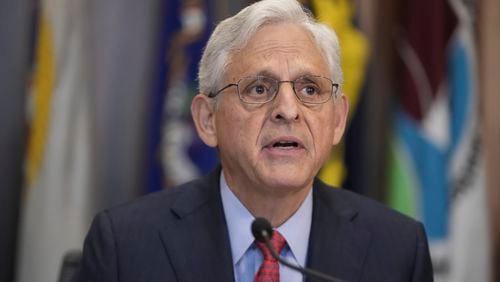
247	258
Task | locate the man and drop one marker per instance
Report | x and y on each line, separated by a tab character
270	101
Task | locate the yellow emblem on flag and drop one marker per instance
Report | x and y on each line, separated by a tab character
40	99
354	53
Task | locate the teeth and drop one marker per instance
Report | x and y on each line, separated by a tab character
285	144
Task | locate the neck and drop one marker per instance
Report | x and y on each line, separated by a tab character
276	205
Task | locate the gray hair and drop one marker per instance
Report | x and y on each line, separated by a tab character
233	34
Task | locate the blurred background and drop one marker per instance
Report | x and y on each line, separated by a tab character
94	111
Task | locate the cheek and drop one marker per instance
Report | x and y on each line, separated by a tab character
235	126
323	133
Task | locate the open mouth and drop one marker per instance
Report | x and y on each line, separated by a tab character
285	144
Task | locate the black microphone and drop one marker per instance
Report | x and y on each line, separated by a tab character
262	231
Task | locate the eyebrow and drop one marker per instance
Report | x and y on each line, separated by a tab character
271	74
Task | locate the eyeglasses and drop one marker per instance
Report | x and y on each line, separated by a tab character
310	89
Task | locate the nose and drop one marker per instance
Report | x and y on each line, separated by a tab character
286	105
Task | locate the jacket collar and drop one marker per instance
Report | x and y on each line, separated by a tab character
338	245
196	239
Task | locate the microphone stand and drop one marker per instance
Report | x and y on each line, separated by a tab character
303	270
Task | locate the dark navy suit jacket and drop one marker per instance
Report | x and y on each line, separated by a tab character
180	234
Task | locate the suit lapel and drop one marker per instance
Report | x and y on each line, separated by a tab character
337	245
197	240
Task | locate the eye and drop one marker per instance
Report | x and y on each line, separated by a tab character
257	86
258	89
310	90
307	88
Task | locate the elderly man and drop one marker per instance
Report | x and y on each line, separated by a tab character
271	103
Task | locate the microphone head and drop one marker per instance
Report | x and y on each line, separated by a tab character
262	229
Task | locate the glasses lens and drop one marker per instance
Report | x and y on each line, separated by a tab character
313	89
257	89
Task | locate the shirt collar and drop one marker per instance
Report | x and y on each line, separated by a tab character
238	220
296	229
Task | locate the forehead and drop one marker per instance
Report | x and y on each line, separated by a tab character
285	50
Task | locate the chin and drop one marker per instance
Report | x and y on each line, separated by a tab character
289	180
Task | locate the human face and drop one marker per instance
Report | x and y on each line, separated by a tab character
277	147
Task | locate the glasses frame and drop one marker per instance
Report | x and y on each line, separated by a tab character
335	88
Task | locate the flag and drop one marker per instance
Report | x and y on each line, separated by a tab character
488	19
184	156
54	215
16	20
123	42
170	25
436	169
469	220
338	15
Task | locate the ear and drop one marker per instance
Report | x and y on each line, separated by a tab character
341	113
203	113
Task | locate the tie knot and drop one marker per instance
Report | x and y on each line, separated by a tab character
277	241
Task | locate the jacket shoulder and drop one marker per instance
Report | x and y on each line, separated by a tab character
365	210
163	205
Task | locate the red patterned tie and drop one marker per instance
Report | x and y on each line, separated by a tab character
269	270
